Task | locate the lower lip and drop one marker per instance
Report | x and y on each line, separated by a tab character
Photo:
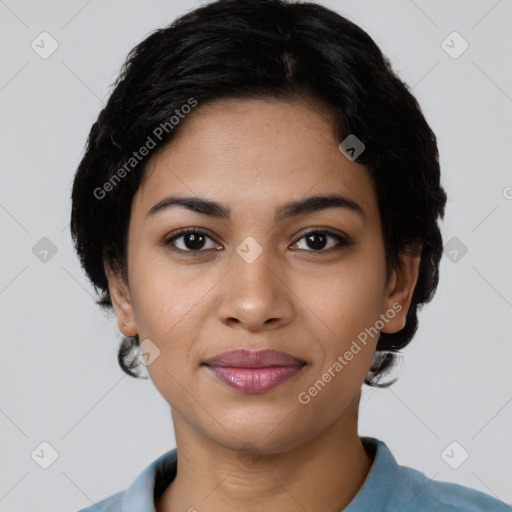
254	380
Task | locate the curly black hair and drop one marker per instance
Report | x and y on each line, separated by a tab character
253	49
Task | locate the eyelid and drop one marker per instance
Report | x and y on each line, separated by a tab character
185	231
323	229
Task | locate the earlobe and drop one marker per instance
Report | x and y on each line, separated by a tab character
401	288
121	301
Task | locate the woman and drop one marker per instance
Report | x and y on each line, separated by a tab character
259	203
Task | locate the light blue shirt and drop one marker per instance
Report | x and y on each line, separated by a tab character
388	487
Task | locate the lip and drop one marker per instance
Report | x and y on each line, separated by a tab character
248	358
251	371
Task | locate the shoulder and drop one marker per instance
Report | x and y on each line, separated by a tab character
432	495
426	494
140	494
393	487
111	504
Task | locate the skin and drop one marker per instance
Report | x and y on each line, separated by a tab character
253	156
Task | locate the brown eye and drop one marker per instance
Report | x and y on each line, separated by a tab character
319	241
192	240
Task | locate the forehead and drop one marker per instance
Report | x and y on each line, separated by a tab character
255	152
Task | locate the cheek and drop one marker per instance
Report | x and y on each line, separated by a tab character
170	305
358	306
167	309
346	298
165	295
347	308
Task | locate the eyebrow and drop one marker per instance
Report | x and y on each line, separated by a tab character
292	209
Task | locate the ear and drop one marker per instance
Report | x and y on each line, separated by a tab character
121	300
400	287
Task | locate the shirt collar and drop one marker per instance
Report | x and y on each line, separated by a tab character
140	496
374	493
383	476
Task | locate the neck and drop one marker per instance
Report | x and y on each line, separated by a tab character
323	474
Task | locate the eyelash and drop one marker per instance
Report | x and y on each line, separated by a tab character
343	241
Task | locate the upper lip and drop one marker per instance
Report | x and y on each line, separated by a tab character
247	358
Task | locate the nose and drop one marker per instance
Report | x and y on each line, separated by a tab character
255	295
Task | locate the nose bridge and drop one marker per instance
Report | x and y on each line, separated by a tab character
254	292
253	268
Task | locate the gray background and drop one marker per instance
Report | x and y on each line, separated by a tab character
60	382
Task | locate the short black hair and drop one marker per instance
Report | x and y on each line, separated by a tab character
247	49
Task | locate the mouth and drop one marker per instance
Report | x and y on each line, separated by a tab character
252	371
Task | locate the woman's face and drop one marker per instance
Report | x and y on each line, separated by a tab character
264	276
